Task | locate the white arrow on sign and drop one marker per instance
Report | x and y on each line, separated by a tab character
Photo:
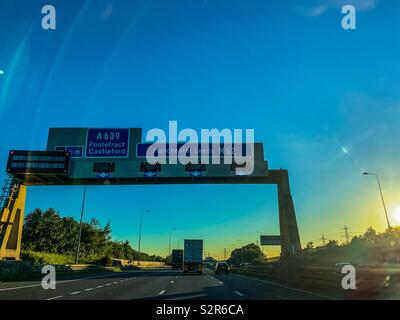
242	173
195	173
103	174
150	174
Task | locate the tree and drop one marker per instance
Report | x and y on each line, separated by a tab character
43	231
310	245
46	231
332	244
251	254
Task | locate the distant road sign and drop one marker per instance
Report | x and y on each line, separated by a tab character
270	240
107	143
147	167
104	167
74	151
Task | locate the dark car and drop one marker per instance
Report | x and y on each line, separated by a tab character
222	267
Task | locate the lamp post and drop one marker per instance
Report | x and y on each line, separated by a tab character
380	191
140	232
80	227
169	243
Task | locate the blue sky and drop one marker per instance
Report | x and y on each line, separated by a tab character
324	101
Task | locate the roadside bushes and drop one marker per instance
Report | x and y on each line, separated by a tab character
46	258
49	238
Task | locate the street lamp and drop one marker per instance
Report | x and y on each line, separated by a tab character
380	191
80	227
140	232
169	243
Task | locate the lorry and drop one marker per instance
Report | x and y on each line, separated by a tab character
177	259
193	256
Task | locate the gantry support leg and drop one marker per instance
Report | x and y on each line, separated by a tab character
290	239
11	224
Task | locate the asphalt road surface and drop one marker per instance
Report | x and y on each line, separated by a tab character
154	284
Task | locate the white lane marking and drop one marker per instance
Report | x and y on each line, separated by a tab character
98	287
67	281
220	282
115	282
177	277
54	298
162	292
89	289
238	293
108	284
76	292
172	281
286	287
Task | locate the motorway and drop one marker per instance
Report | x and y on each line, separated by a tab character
154	284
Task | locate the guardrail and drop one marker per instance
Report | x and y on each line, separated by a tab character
37	268
264	271
370	282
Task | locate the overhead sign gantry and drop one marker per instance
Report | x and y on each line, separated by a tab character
104	156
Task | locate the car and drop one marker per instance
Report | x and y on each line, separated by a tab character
222	267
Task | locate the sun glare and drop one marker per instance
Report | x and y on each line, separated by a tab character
396	215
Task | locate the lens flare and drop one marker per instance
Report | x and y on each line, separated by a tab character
396	215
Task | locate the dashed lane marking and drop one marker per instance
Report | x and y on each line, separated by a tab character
286	287
76	292
54	298
67	281
238	293
162	292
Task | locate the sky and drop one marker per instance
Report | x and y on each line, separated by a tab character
324	101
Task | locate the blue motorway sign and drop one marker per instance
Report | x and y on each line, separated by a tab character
270	240
107	143
74	151
168	149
